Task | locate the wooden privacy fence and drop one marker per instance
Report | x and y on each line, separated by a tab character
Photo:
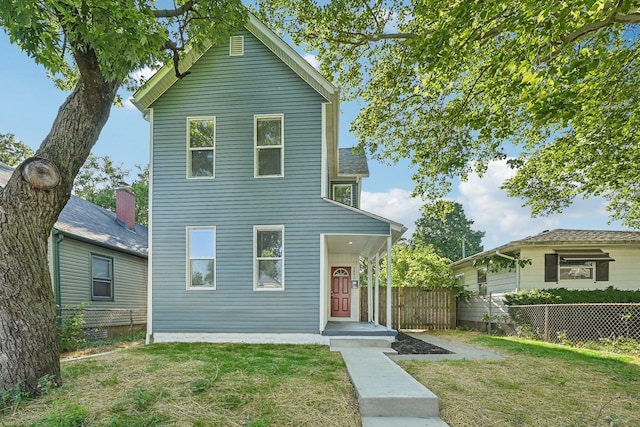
414	308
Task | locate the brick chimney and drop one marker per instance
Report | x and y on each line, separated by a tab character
126	206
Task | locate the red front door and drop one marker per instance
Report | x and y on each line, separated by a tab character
340	291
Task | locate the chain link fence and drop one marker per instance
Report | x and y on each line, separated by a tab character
571	322
103	323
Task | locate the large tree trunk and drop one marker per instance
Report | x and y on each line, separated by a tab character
28	341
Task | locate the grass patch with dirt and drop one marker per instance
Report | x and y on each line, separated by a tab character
537	384
198	385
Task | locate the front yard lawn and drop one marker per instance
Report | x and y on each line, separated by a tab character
198	385
537	384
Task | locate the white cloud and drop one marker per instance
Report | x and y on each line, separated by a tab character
504	219
313	60
396	205
140	75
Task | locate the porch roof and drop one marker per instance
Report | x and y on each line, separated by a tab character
368	245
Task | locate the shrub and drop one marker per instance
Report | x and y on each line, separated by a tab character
531	297
572	296
70	332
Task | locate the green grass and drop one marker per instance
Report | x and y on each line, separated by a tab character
537	384
200	385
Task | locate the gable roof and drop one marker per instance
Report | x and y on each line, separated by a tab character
90	223
352	163
166	76
563	237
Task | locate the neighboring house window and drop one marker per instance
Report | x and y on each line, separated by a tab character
558	268
201	258
343	193
269	257
482	281
201	144
572	270
269	145
101	278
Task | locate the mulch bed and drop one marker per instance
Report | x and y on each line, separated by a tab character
405	344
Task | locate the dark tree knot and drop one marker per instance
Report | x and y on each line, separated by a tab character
41	174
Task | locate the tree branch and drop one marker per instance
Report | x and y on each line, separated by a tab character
175	51
172	13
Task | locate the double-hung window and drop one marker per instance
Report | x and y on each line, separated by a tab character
482	281
269	257
201	258
101	278
269	145
201	147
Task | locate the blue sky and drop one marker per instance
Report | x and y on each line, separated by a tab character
30	102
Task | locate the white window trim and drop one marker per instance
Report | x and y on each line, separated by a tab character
342	185
110	280
215	260
256	270
255	144
190	149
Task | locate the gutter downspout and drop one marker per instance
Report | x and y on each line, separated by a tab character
56	262
500	254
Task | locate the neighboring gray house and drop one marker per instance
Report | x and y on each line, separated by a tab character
248	242
572	259
97	256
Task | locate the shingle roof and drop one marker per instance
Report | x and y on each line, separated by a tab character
564	237
351	163
90	222
584	236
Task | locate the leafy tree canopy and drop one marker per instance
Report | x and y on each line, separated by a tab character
452	84
418	266
99	178
123	37
12	150
444	226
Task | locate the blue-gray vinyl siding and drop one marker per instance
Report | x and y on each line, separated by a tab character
234	89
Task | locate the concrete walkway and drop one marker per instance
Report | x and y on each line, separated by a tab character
387	395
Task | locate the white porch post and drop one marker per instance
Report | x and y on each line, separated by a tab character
389	282
369	291
377	273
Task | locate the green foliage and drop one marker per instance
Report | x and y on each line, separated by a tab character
99	178
444	226
418	266
572	296
497	263
453	86
12	150
66	414
70	331
11	398
123	36
531	297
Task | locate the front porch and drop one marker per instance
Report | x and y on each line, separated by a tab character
357	329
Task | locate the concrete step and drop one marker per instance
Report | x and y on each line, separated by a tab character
360	342
384	389
402	422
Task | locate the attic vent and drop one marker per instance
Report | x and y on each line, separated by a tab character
236	46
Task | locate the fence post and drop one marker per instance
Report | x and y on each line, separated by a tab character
546	323
131	322
490	326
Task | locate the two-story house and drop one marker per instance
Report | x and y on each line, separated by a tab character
256	234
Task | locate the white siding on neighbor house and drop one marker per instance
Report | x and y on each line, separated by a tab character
477	306
234	90
129	276
500	282
624	272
